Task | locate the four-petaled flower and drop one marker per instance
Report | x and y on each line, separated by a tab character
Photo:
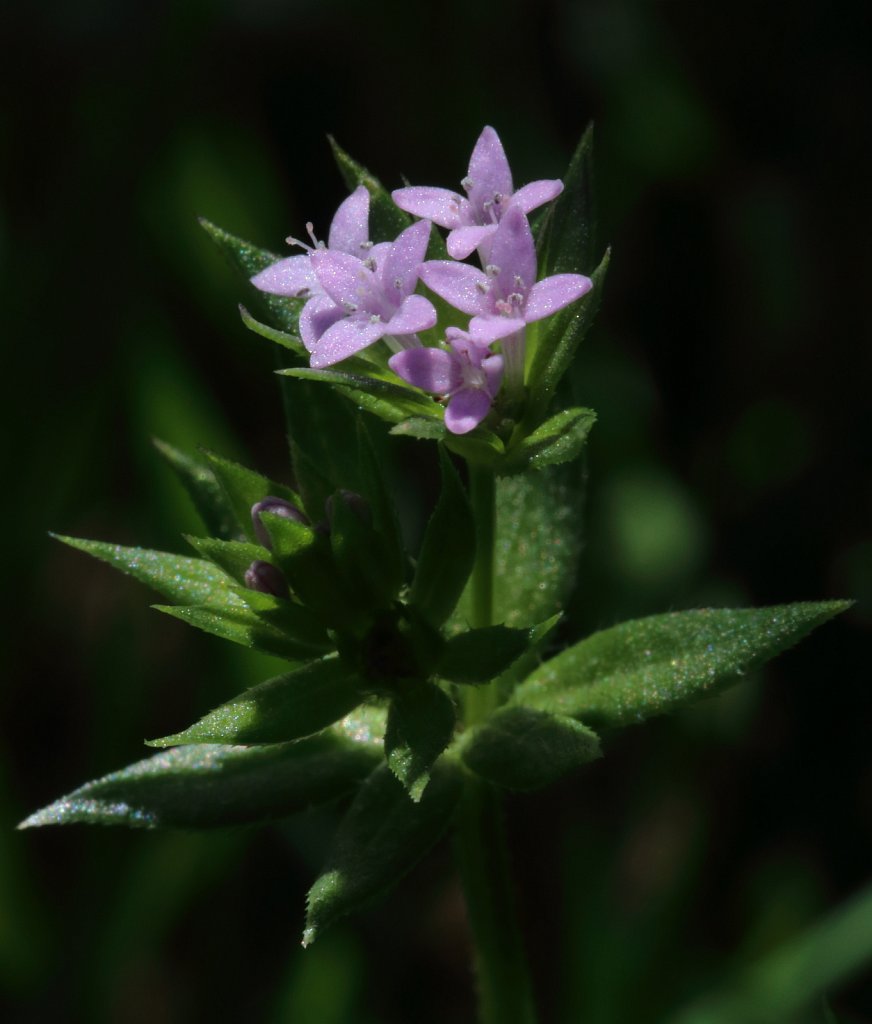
469	375
365	300
473	219
349	233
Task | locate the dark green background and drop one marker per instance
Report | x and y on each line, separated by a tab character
730	368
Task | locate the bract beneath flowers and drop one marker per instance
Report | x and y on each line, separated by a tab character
469	375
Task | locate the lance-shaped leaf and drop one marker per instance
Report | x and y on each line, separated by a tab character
242	625
521	748
208	786
244	487
558	340
566	234
187	581
207	495
285	708
305	557
247	260
382	837
386	219
481	446
283	338
376	488
642	668
389	401
233	556
479	655
559	439
448	549
420	725
538	543
361	554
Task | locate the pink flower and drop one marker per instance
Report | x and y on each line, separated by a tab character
349	233
473	219
362	301
469	375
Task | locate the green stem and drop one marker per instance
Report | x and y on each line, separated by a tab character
504	990
505	993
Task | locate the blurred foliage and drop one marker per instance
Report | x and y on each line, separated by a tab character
730	464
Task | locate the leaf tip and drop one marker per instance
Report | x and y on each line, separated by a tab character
309	935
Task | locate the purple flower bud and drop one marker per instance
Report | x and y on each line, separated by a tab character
266	579
275	507
358	505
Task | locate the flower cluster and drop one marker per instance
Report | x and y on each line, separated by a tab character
359	293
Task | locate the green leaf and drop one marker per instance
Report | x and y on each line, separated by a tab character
566	242
647	666
245	487
558	341
248	260
285	708
382	837
305	558
361	555
243	626
203	488
481	446
208	786
233	556
377	490
521	748
420	725
386	220
788	981
479	655
559	439
448	549
283	338
537	546
390	402
187	581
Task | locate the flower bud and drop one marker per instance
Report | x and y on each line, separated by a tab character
266	579
358	505
276	507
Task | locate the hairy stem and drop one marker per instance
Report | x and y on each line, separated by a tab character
505	994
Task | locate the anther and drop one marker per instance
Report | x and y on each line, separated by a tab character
467	184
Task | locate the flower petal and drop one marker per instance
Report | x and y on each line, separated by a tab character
345	338
493	371
462	241
553	293
528	197
488	166
350	227
465	287
344	278
514	252
437	204
317	316
466	409
400	271
292	276
430	369
415	314
485	330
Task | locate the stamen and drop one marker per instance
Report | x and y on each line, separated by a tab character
491	270
398	284
375	318
367	245
369	263
310	231
467	184
349	307
483	286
